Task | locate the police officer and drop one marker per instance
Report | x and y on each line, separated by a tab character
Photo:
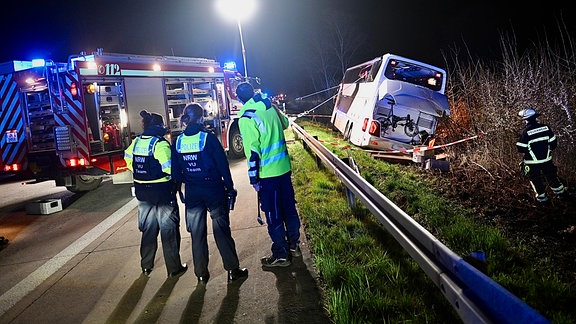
149	159
536	142
201	164
262	127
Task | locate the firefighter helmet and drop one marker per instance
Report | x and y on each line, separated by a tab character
528	113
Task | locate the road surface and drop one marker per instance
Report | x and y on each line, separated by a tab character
82	265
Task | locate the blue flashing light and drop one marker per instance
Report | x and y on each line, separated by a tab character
230	66
38	62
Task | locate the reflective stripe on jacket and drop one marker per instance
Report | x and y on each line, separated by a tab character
191	144
537	142
195	160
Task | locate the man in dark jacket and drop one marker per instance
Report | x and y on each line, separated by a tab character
201	164
149	159
537	142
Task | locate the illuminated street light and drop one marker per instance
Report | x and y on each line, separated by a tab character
238	10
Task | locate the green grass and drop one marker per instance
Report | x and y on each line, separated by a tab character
366	274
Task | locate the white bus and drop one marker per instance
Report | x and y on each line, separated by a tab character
390	103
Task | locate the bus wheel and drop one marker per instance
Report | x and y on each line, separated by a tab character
236	148
83	183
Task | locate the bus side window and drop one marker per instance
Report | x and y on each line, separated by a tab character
374	70
365	74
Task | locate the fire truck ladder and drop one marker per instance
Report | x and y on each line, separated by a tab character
55	87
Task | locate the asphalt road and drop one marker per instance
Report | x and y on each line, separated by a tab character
82	265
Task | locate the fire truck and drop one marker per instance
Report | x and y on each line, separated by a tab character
71	122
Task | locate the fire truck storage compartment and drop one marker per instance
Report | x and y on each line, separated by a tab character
143	93
181	92
111	133
41	120
204	94
108	90
178	94
103	105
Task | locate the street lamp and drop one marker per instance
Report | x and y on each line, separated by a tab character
243	49
238	10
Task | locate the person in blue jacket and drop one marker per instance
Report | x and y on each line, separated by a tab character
149	159
201	164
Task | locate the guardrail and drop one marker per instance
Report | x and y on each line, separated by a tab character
475	297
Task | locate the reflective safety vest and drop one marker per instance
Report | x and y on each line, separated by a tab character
195	162
147	166
191	144
264	142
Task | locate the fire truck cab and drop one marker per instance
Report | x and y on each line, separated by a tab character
71	122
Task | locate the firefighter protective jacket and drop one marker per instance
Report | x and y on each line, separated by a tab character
199	158
537	142
262	128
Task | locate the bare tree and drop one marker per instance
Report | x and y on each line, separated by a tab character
335	43
487	97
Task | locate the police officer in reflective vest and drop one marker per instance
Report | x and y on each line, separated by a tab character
149	159
201	164
262	127
536	142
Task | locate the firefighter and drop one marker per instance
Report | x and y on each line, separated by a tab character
262	127
149	159
536	142
201	164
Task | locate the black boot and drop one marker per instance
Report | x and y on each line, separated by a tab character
236	274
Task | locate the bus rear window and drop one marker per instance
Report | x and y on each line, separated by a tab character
415	74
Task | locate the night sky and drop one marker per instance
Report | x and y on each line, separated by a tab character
281	37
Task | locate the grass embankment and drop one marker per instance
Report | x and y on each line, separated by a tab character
368	277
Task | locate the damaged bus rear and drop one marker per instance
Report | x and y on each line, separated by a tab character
390	103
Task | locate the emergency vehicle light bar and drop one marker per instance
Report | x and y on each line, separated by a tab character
38	62
230	66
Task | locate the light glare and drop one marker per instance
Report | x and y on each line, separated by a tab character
238	10
230	66
38	62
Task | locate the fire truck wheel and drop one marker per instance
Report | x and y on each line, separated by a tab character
83	183
236	149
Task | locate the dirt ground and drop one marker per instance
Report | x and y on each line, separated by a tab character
549	229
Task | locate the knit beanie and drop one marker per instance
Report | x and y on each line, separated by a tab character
245	92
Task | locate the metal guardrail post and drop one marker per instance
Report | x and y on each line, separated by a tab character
349	194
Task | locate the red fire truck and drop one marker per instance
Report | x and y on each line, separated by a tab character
70	122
